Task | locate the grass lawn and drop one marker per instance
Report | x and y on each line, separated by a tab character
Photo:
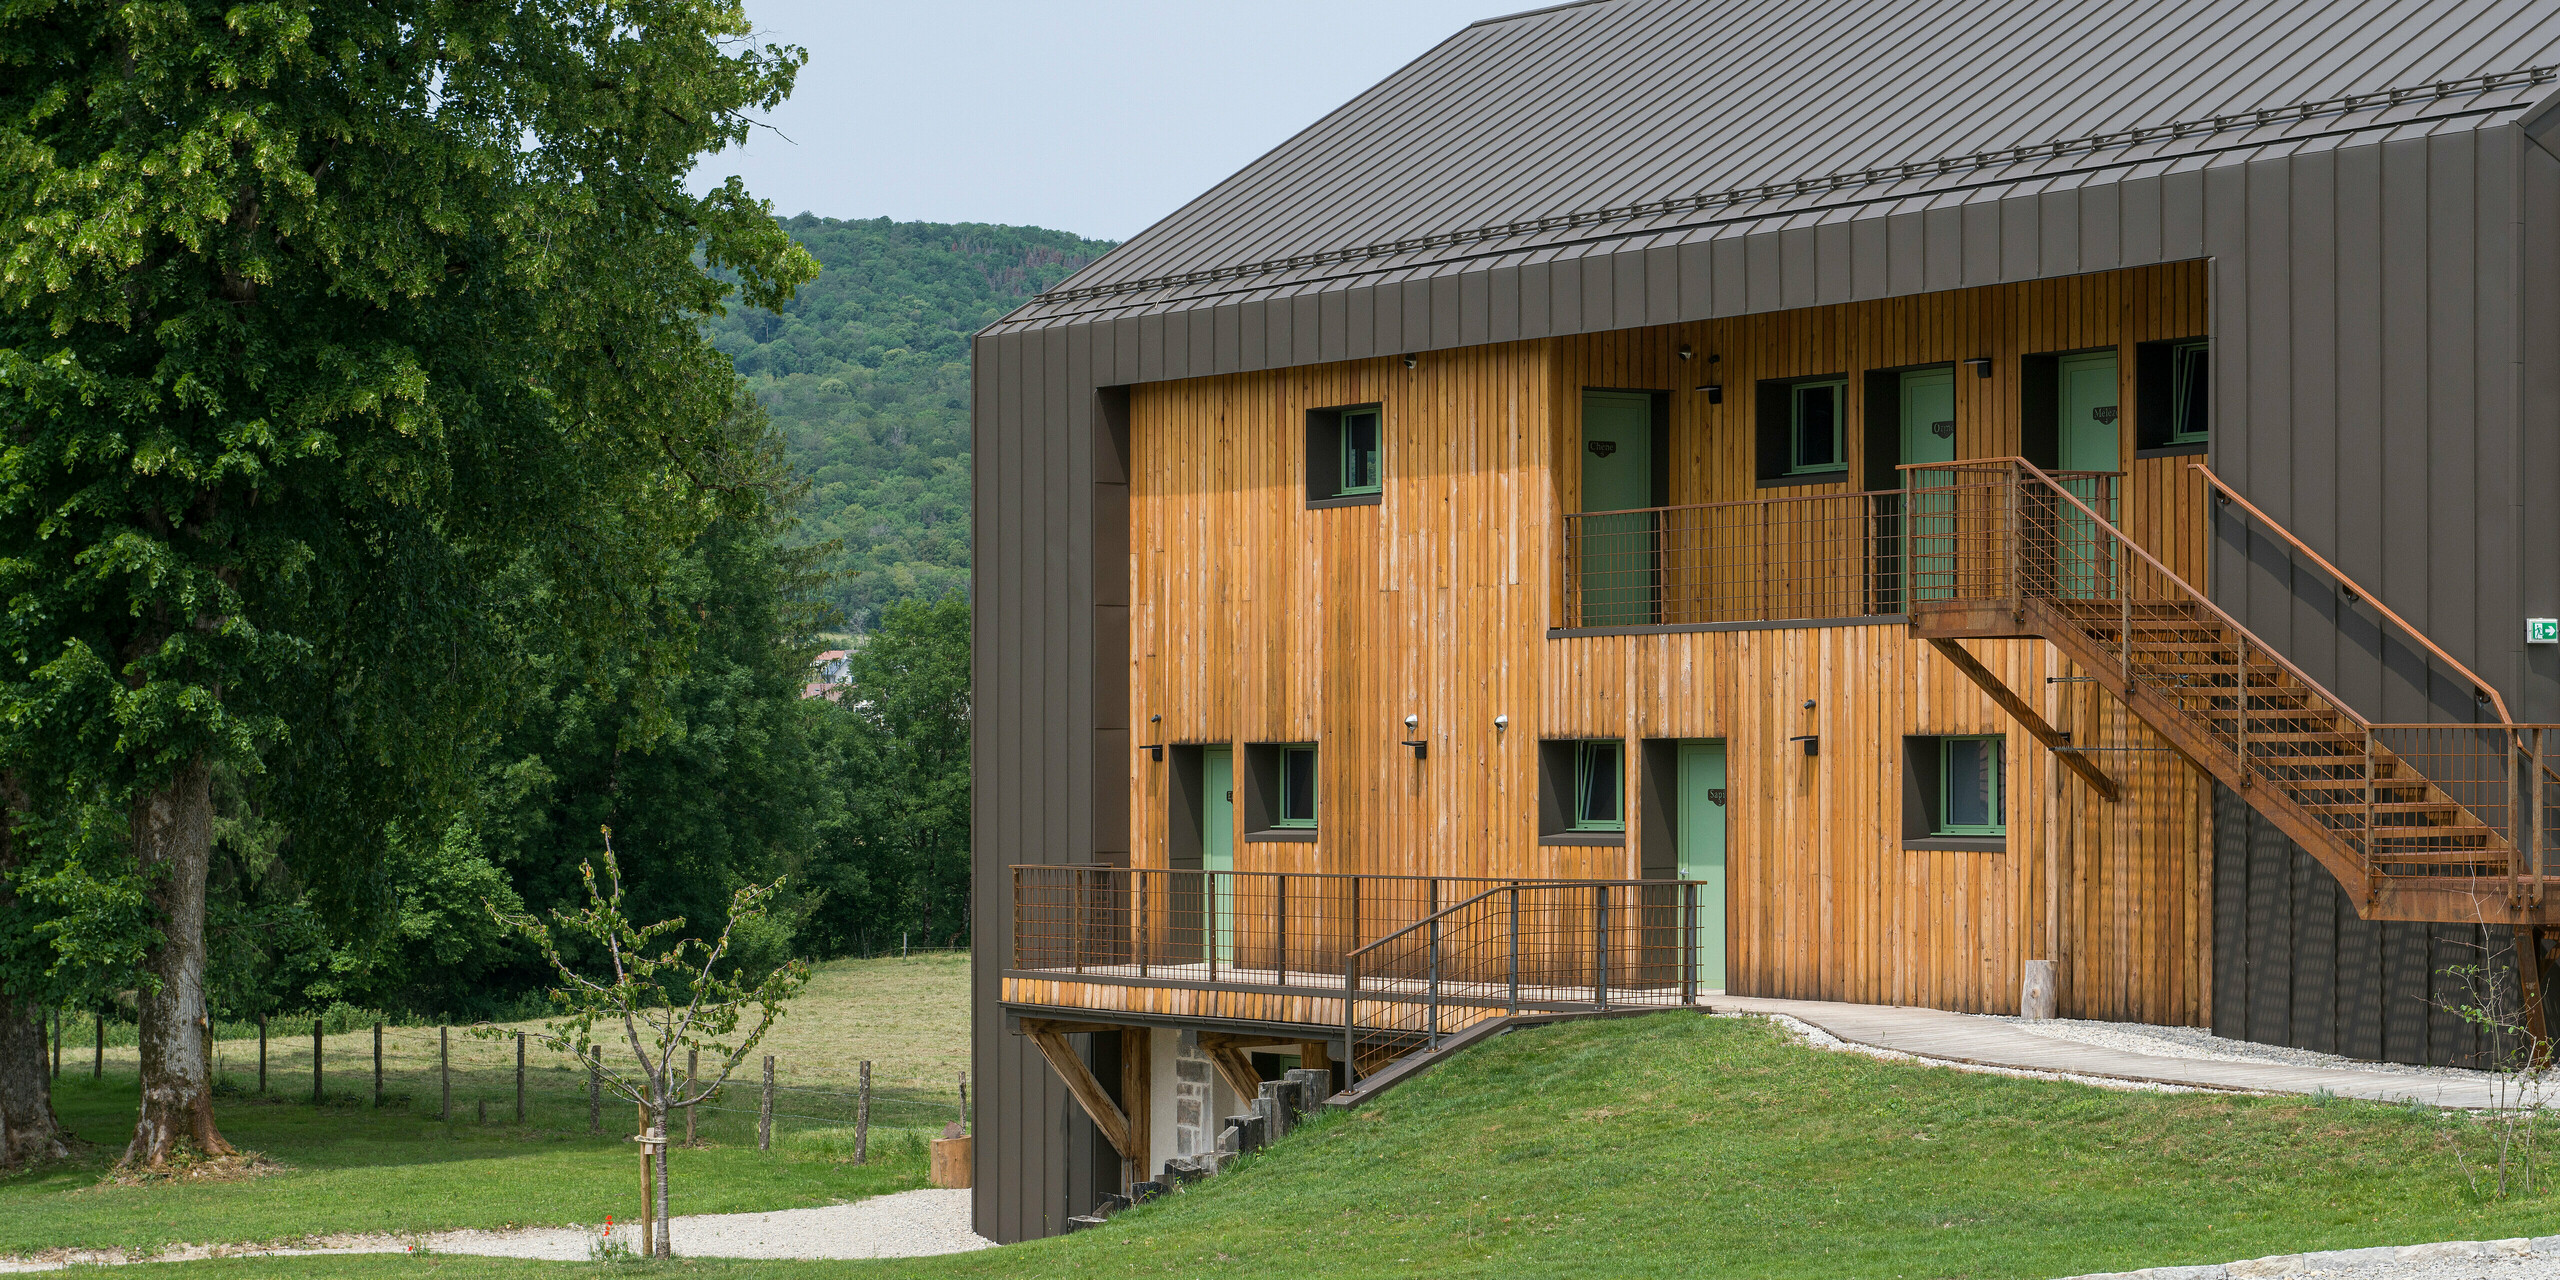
352	1167
1679	1145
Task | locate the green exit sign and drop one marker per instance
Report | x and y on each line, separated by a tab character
2542	631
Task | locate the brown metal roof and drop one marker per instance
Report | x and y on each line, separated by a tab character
1552	132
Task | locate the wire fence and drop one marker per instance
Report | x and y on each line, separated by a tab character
462	1075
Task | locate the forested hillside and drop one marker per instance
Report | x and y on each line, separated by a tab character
866	373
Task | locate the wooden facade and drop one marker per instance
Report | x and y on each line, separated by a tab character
1254	618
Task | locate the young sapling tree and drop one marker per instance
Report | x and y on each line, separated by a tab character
657	998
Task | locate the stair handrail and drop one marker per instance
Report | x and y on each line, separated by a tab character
2357	588
2270	651
1384	939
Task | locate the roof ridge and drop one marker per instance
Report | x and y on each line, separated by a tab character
1832	182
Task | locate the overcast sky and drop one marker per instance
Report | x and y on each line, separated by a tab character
1091	116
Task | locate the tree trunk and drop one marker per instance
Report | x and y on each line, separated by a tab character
173	842
28	1128
665	1247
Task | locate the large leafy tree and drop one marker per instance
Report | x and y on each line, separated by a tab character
897	861
315	319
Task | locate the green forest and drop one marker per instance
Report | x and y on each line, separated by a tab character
417	479
866	374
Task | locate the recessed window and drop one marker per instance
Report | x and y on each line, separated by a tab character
1599	785
1972	781
1278	792
2172	396
1346	456
2190	384
1815	411
1297	787
1801	427
1359	451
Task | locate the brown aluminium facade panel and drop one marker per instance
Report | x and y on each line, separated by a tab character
2443	465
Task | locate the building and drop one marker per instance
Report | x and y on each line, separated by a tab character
1876	502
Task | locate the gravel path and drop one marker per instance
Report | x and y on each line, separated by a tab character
2196	1042
910	1224
2516	1259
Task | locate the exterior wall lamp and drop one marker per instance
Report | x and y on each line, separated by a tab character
1411	361
1812	741
1155	749
1715	389
1421	746
1981	365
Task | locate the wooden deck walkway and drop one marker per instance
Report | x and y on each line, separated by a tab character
1958	1037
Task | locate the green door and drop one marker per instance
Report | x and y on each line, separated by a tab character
1928	415
1218	841
1702	810
1616	553
2088	437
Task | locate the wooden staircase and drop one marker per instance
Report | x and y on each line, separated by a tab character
2417	822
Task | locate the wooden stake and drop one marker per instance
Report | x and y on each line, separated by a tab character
648	1190
98	1065
444	1072
692	1072
862	1118
519	1077
377	1066
764	1109
262	1053
595	1091
315	1061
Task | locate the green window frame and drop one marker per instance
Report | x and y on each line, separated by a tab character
1297	799
1361	457
1973	786
2190	391
1599	785
1817	417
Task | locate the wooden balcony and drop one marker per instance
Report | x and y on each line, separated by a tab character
1802	558
1380	965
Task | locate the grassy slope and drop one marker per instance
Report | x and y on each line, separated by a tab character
398	1169
1679	1146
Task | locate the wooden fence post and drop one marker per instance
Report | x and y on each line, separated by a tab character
965	1126
692	1072
262	1052
315	1061
98	1065
862	1118
595	1091
519	1077
444	1073
648	1189
377	1066
764	1109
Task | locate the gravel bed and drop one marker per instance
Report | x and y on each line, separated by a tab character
1818	1038
2516	1259
909	1224
2196	1042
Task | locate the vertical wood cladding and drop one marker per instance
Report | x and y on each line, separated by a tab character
1257	619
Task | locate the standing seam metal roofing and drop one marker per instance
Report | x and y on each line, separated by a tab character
1603	119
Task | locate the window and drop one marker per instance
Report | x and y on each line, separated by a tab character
2172	397
1277	788
2190	382
1815	411
1599	779
1359	451
1297	788
1346	456
1972	780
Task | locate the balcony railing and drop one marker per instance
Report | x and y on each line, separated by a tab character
1415	959
1833	555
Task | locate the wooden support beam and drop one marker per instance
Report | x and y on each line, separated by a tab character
1137	1097
1237	1067
2531	965
2053	739
1070	1067
1235	1040
1055	1027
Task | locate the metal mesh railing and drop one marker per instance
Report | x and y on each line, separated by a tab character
1547	946
1240	928
1815	556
